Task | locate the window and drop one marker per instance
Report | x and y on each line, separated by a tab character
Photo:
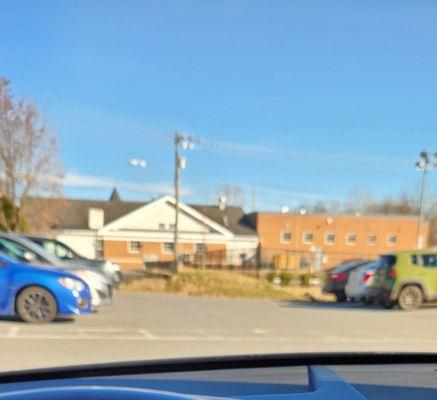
429	260
371	240
351	239
20	253
172	227
285	237
308	238
162	227
199	247
329	238
99	248
134	247
168	247
391	240
416	260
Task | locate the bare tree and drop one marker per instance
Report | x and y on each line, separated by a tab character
29	153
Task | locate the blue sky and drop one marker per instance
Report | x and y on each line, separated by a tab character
305	100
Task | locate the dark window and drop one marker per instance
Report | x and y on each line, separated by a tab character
415	259
308	237
134	247
99	248
168	247
429	260
286	237
371	240
329	238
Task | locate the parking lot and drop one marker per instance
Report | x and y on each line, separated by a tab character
146	326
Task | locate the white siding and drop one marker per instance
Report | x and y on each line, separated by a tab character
83	243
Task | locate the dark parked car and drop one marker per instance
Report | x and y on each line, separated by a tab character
66	253
336	279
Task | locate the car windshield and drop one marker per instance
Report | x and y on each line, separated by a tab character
217	178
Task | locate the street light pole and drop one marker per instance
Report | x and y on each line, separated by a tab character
188	143
425	164
420	216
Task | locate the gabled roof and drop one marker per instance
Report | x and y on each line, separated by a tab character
74	213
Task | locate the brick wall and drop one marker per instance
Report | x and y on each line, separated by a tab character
121	253
271	226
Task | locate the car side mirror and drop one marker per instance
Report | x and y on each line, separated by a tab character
28	256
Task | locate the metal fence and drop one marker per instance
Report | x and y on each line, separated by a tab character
270	259
261	259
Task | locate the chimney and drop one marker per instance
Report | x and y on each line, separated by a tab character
96	218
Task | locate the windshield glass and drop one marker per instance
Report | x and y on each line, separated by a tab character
227	178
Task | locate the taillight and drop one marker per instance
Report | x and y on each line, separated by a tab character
393	273
338	277
367	276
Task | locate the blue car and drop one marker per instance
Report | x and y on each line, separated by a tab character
38	294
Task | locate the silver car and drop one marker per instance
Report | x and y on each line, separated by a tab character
359	282
100	286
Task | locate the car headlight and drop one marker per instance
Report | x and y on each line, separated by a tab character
72	284
112	267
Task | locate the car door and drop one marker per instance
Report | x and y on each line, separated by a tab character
429	262
5	279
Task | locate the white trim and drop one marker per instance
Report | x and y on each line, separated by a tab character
116	224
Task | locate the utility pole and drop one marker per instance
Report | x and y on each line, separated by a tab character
425	164
188	143
177	139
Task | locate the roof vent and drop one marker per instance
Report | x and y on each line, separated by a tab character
222	203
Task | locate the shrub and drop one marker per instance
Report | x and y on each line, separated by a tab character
286	278
305	279
270	276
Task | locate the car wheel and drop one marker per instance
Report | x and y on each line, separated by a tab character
36	304
410	298
117	278
341	298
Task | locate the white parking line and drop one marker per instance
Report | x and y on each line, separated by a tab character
13	332
146	333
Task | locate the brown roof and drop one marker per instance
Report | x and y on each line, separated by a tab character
232	218
74	214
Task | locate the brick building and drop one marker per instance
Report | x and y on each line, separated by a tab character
131	233
295	241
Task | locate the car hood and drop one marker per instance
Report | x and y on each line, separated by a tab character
50	269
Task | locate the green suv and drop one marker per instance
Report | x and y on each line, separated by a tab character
407	278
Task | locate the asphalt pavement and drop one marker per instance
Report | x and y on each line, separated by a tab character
149	326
